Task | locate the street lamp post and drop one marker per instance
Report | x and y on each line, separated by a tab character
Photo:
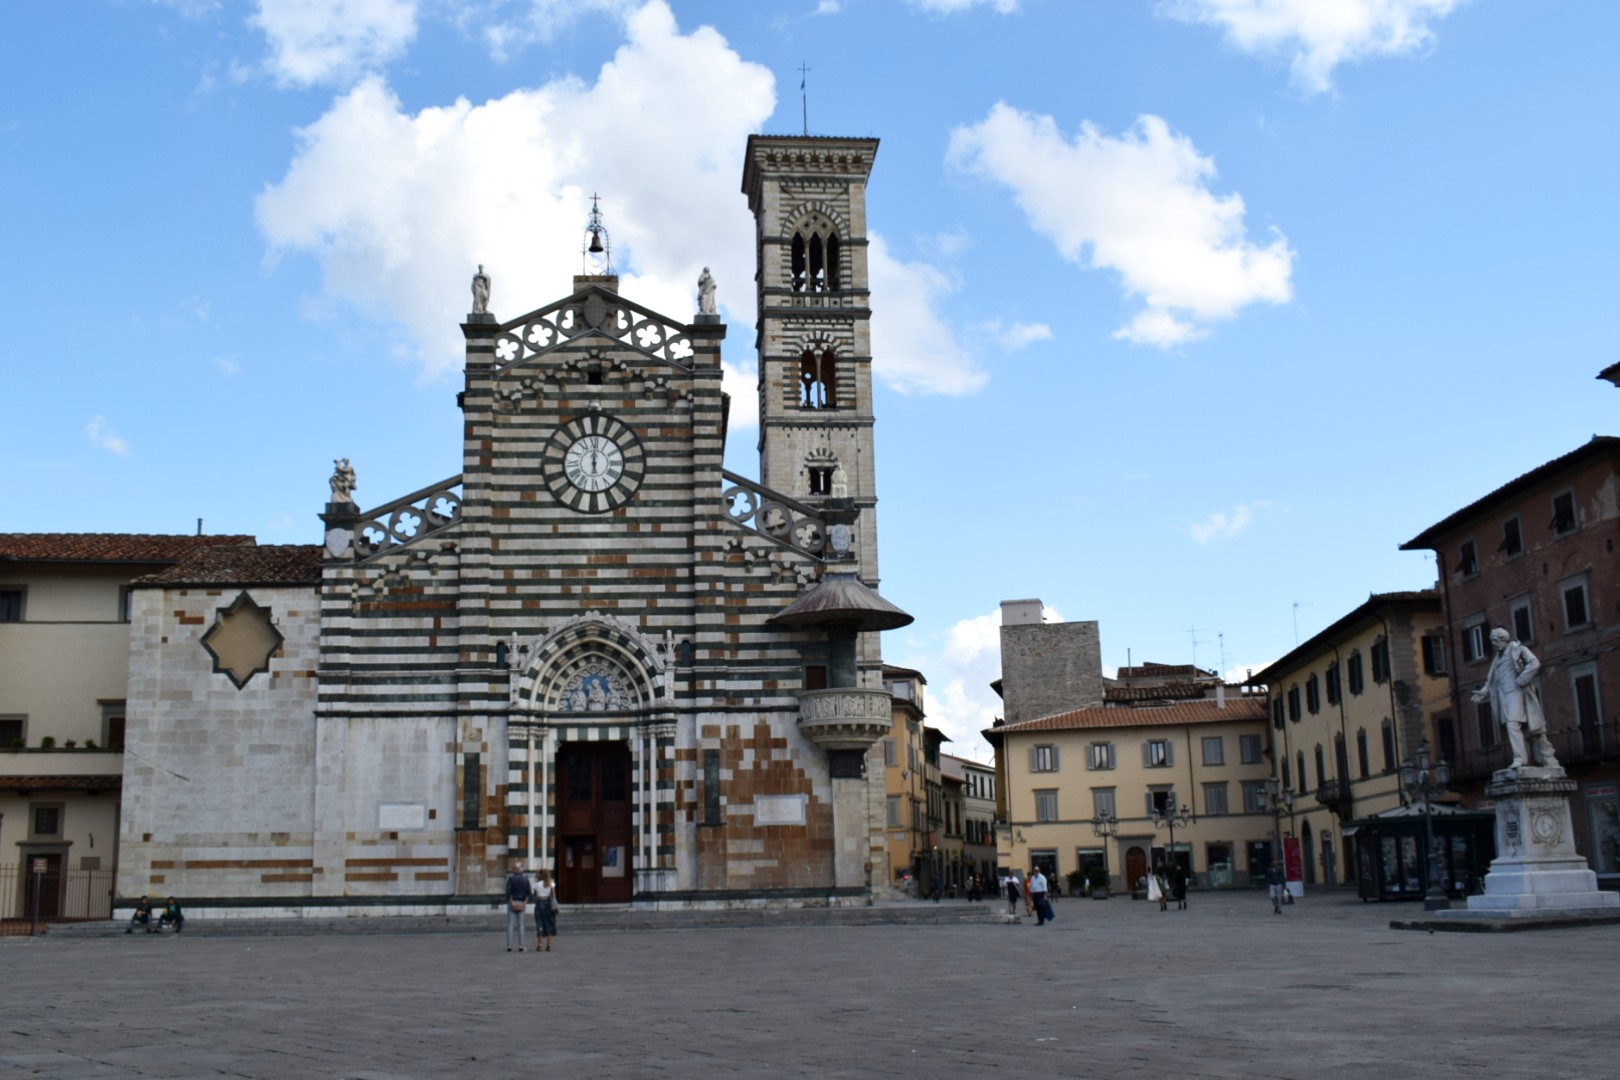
1423	781
1172	816
1281	799
1105	827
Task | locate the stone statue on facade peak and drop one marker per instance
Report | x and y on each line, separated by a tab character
706	293
840	482
480	291
1515	700
342	481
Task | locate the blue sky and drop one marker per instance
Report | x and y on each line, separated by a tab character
1187	313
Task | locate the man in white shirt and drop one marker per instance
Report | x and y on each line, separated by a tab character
1037	895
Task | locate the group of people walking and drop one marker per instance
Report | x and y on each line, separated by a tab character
1168	883
520	893
1036	896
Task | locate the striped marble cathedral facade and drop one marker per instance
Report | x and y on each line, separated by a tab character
594	650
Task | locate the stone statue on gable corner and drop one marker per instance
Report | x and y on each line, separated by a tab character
342	481
706	293
480	291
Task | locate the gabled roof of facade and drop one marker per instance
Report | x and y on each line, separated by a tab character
1597	447
275	564
106	547
1208	711
1421	599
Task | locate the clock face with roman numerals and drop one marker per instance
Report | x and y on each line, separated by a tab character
593	464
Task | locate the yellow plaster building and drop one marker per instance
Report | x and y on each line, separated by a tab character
1064	773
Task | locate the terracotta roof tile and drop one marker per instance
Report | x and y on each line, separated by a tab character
1160	671
1186	712
106	547
272	564
1154	693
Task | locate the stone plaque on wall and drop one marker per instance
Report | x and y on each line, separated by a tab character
401	817
779	810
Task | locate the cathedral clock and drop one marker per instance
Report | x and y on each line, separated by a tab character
593	464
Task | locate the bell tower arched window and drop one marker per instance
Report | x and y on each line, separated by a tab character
815	260
818	380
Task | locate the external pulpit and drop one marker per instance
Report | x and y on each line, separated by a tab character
844	718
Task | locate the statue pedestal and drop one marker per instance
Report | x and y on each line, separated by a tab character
1537	871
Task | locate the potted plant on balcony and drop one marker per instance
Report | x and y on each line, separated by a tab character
1097	878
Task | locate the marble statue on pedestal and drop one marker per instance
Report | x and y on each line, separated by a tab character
706	293
1510	687
342	481
480	291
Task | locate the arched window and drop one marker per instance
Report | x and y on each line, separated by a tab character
815	260
818	380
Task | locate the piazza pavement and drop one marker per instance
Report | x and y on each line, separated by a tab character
911	989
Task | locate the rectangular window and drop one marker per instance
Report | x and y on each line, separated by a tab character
1363	759
1434	654
126	603
1512	540
1161	800
1352	673
1250	749
1476	641
1293	704
1156	753
815	676
1214	750
11	603
469	791
891	753
1046	806
47	821
112	724
1332	682
1484	724
1254	797
1215	799
1313	695
13	732
1588	714
1380	661
1467	559
1277	713
1576	613
1564	519
1102	802
711	790
1524	626
1389	746
1445	734
1100	756
911	757
894	811
1043	759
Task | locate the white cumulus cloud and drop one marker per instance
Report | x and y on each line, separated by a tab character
400	208
1138	204
951	7
535	22
1318	35
914	348
326	41
1222	525
104	437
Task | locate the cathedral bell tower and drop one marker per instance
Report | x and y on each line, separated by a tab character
808	197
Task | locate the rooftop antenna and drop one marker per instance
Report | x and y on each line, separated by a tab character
1297	606
1221	638
804	98
598	248
1193	632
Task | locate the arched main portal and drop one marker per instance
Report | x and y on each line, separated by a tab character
592	736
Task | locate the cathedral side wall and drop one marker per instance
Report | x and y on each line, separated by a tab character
218	795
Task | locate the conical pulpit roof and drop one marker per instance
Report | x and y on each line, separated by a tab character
841	601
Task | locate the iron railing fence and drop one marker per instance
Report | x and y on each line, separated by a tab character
57	896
